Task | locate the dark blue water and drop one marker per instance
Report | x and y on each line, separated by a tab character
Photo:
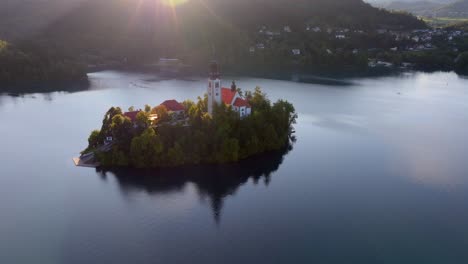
379	174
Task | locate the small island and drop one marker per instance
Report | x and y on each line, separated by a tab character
226	125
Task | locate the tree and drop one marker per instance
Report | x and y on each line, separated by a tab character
146	149
259	100
162	113
142	120
107	122
284	115
147	108
122	130
461	63
131	109
94	139
230	150
176	155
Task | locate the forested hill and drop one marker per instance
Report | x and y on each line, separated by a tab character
20	19
148	28
109	32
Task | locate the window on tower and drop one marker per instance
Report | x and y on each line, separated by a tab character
217	85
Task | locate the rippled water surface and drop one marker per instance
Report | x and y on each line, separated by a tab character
379	174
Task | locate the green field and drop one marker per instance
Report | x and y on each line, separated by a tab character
443	21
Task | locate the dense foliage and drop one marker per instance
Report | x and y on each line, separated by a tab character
220	138
33	63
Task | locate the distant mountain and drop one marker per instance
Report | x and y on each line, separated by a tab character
25	17
458	9
448	8
416	7
143	30
116	20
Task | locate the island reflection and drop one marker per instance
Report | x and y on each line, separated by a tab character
21	89
215	182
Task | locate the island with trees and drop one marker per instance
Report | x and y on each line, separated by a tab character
236	126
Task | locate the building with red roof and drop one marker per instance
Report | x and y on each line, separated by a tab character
228	96
175	109
173	106
132	115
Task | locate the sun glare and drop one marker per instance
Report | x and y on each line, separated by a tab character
173	2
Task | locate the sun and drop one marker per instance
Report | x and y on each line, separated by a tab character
173	3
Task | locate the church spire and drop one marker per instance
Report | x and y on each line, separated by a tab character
233	86
214	87
214	70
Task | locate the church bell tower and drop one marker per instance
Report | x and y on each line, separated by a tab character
214	87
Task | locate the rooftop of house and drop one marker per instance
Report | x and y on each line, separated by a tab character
132	115
227	95
241	103
173	105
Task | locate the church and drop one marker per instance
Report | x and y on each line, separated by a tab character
229	96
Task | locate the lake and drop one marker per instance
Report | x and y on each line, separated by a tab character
378	174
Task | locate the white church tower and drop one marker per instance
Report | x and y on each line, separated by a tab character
214	87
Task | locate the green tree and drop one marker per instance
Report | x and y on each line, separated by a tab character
230	150
147	108
461	63
162	113
146	149
142	120
94	139
122	130
176	155
107	122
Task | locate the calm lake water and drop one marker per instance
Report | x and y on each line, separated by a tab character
379	174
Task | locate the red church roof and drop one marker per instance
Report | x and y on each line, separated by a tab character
132	115
241	103
173	105
227	95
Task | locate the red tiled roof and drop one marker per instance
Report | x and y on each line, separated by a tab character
173	105
227	95
241	103
132	115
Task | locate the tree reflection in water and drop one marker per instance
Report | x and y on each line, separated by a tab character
215	182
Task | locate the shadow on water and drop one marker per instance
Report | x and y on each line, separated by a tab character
24	88
215	182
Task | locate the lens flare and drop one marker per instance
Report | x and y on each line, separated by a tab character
173	3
